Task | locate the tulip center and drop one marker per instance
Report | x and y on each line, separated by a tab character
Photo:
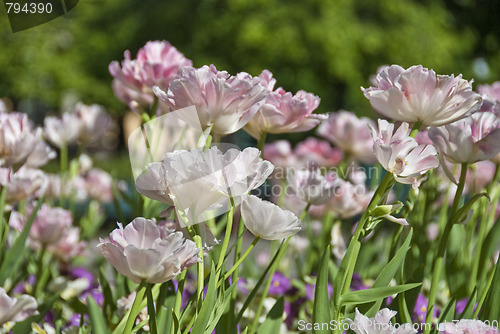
398	166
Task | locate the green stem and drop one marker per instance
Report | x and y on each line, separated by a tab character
3	194
377	197
227	237
415	129
494	192
178	294
208	143
135	309
242	257
39	273
443	242
63	158
306	210
151	310
201	274
272	270
236	271
154	106
261	142
481	235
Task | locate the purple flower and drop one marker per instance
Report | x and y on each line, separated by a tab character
357	283
280	284
96	295
420	310
76	319
311	288
461	304
81	272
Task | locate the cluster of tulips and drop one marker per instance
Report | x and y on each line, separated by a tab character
386	226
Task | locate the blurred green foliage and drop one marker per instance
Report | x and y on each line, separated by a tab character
328	47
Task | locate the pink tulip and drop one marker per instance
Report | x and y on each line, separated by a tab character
285	113
224	102
311	186
200	183
467	326
69	246
267	220
99	185
381	323
94	120
491	97
349	133
16	309
280	154
143	251
49	226
469	140
400	154
18	139
24	184
41	153
309	153
156	64
418	94
153	183
314	152
350	200
62	131
479	176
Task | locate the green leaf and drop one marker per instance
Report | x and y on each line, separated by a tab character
343	272
207	308
370	295
257	286
98	322
491	307
321	306
388	273
448	311
175	322
165	305
15	255
457	217
220	308
274	319
469	308
490	245
109	305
